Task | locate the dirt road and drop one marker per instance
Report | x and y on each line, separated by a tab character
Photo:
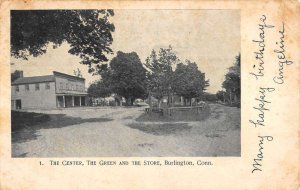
219	135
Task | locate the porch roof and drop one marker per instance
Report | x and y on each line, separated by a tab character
71	93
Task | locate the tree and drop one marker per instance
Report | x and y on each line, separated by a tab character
160	72
77	73
15	75
210	97
221	95
99	89
126	76
89	33
189	82
232	82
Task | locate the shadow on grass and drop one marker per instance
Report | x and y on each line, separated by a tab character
161	129
177	115
26	124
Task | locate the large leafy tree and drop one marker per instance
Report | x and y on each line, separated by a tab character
232	83
189	82
89	33
99	89
221	95
126	76
160	72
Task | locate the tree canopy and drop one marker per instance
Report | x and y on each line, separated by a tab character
15	75
77	73
126	76
99	89
160	71
89	33
186	80
232	83
189	82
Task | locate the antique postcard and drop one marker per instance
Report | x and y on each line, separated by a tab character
149	94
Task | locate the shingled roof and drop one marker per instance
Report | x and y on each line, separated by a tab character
37	79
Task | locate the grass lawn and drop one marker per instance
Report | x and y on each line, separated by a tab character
177	115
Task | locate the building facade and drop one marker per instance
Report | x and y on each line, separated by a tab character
47	92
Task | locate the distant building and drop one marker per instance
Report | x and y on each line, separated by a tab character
51	91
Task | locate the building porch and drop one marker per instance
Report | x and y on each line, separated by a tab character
65	101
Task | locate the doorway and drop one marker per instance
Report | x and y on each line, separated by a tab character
18	104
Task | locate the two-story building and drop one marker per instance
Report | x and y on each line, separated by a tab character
47	92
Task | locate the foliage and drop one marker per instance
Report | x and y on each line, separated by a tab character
222	95
210	97
232	83
89	33
162	80
99	89
160	72
77	73
126	76
189	82
15	75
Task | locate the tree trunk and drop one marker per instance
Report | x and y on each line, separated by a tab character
172	99
235	98
230	97
181	101
128	101
150	102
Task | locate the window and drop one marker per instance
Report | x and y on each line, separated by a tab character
17	88
61	86
77	87
47	86
67	86
37	86
27	87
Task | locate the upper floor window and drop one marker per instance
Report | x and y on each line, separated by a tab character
47	86
61	85
67	86
37	86
27	87
17	88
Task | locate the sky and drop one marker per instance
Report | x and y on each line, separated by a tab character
211	38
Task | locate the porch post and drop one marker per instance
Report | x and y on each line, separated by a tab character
79	100
182	101
72	101
64	102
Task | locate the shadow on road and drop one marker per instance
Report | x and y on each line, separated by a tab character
161	129
25	125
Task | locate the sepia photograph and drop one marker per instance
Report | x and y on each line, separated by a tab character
125	83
